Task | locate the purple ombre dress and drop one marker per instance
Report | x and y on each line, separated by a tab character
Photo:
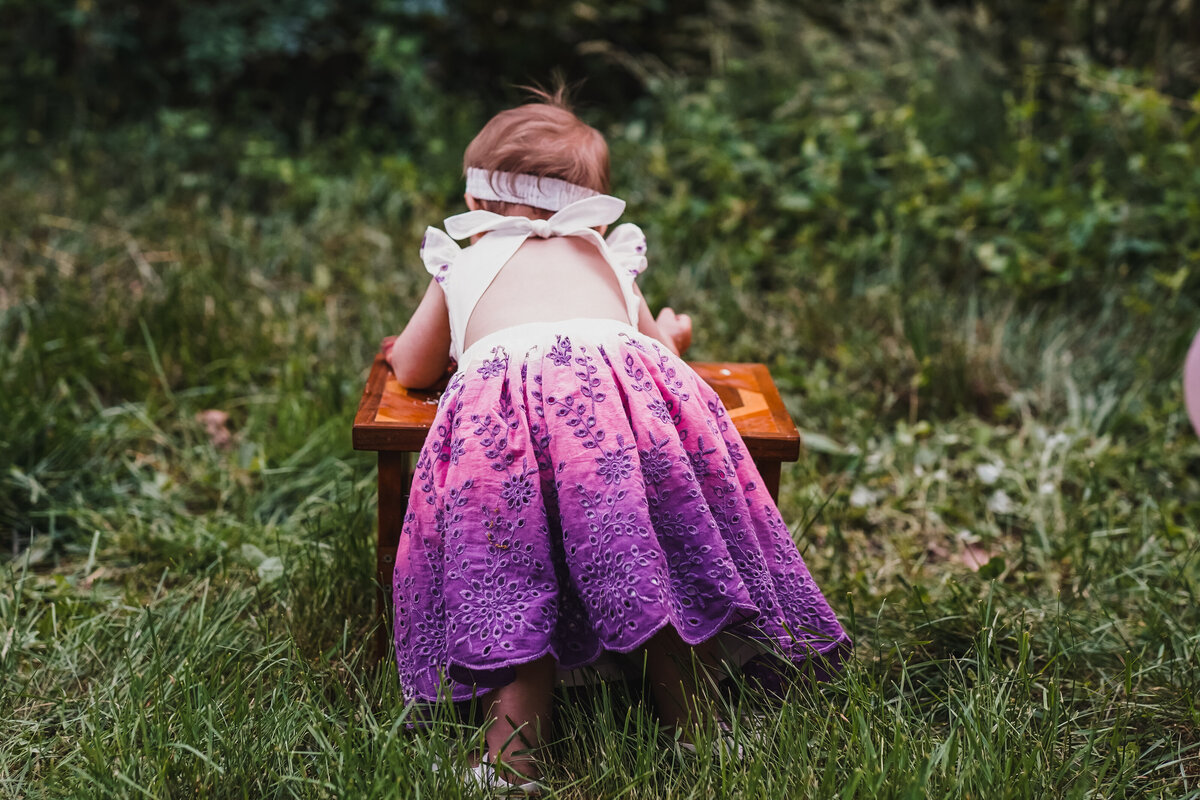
582	488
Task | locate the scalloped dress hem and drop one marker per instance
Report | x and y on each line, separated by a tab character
580	489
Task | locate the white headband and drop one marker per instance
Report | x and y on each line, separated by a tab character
550	194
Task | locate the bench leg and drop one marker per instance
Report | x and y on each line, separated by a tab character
769	470
395	479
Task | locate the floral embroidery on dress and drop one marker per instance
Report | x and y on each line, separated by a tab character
574	498
616	465
560	354
656	464
494	366
517	490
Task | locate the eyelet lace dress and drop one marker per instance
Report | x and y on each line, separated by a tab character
581	488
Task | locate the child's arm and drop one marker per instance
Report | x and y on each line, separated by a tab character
422	351
673	330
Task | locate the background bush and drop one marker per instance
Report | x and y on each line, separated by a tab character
888	160
963	235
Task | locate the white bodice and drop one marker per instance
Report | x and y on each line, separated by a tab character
465	273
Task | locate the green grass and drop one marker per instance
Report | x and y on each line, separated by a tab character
1001	495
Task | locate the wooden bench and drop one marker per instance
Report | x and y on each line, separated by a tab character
393	422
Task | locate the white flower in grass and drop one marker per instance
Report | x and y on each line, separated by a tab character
271	569
862	497
989	473
1047	488
1000	503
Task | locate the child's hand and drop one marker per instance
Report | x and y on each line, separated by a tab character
676	327
388	346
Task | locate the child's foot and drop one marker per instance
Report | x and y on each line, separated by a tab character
723	745
500	780
727	742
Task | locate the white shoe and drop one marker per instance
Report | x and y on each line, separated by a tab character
723	744
485	776
727	743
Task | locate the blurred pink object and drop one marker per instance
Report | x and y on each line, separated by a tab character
216	425
1191	383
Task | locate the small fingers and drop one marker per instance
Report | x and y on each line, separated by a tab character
683	338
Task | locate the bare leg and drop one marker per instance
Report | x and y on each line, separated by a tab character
673	668
520	717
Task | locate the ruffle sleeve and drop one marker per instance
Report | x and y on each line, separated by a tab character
439	252
627	245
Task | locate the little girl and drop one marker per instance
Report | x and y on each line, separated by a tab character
582	492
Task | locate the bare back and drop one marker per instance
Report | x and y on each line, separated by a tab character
548	280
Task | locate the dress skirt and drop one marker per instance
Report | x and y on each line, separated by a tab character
580	489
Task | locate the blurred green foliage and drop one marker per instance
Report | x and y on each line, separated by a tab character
1038	145
919	217
333	63
963	236
308	67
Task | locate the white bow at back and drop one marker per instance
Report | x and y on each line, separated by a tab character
581	215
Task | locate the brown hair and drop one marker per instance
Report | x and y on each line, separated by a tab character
542	138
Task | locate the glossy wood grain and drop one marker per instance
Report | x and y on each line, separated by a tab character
393	418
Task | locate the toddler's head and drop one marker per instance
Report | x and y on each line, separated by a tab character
543	139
